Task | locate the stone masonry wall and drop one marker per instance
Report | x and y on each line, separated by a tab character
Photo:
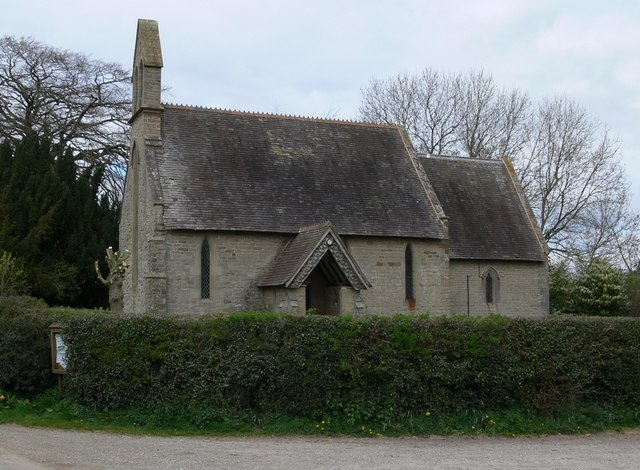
281	299
237	261
125	240
522	288
144	285
382	262
145	281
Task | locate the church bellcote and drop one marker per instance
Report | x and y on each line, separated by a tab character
147	68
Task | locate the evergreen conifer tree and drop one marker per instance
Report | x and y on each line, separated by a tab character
54	221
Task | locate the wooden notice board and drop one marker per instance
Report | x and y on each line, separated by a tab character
58	349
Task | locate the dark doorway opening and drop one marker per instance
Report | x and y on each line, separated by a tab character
322	289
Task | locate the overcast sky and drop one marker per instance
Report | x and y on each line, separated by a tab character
311	58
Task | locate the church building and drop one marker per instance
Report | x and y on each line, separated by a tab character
233	211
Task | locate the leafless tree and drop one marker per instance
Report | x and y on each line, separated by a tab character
568	162
606	229
450	114
573	176
627	240
426	105
68	98
494	120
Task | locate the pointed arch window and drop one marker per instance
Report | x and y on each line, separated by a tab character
408	272
491	286
205	270
488	288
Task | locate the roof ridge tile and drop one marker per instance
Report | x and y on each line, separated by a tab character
280	115
464	158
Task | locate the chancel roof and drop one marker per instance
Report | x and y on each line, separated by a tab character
225	170
488	218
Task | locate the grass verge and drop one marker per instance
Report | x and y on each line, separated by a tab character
51	409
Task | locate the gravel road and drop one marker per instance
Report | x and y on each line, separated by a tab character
23	448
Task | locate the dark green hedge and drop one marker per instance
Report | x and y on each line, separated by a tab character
25	357
315	365
25	350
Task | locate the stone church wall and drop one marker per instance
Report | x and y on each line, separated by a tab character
382	260
520	290
141	225
237	261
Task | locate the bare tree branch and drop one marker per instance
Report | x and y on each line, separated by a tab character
568	163
69	99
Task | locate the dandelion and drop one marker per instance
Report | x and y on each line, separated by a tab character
428	413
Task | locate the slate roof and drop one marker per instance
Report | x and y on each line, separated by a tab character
225	170
292	257
487	218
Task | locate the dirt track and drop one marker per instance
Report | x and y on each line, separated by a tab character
35	448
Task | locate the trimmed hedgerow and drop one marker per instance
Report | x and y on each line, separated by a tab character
25	350
25	358
358	367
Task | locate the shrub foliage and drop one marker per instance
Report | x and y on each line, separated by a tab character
365	369
25	349
25	357
13	279
595	288
358	367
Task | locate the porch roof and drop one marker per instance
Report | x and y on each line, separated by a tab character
315	246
